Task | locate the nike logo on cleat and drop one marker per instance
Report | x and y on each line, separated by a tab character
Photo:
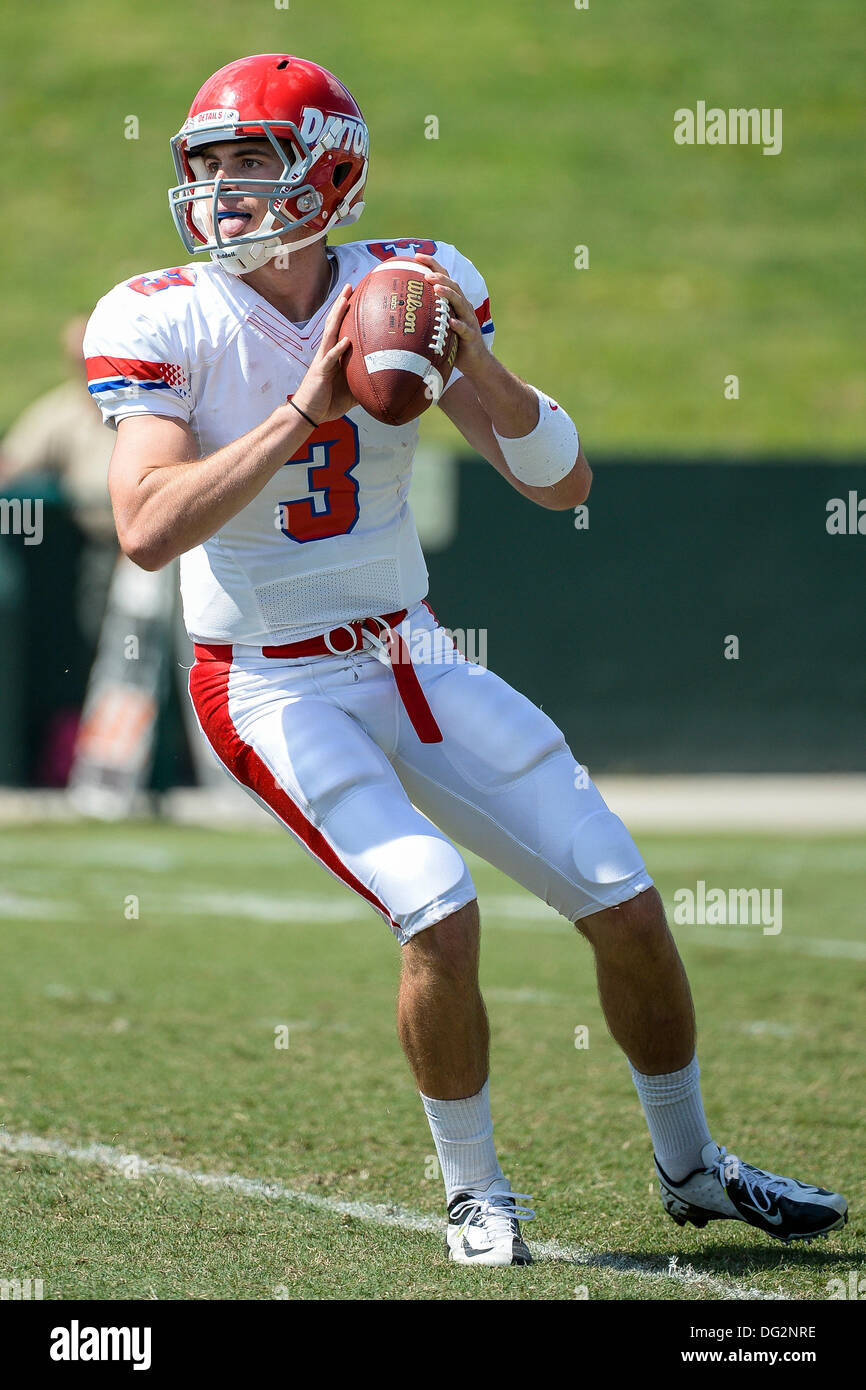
765	1215
470	1253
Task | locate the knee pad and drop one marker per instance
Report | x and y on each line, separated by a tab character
433	883
604	853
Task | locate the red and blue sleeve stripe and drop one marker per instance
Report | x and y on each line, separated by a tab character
106	374
482	313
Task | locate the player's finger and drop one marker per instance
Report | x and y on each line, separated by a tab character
457	299
444	285
463	330
341	304
450	289
337	313
428	260
440	277
338	309
332	357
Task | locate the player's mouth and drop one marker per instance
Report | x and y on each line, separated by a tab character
232	222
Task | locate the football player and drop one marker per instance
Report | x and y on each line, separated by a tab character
324	683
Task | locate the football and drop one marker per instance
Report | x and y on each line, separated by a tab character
402	349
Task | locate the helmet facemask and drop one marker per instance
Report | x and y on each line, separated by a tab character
194	201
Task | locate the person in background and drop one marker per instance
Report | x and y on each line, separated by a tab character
59	449
61	436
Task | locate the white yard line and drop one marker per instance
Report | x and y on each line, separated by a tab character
499	912
835	948
133	1166
16	905
501	995
262	907
513	913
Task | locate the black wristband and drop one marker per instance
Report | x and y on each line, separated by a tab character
305	415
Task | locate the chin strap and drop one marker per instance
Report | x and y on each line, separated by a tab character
258	253
243	259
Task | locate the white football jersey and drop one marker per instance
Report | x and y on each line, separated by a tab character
331	537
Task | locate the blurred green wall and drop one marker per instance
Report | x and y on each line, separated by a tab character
618	630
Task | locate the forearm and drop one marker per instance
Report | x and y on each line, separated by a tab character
176	507
541	456
535	438
511	405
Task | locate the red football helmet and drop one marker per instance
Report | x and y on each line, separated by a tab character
316	128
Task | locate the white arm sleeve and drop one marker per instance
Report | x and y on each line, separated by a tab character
549	452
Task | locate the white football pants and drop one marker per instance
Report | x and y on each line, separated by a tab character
327	747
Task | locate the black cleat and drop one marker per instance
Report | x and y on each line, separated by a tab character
727	1189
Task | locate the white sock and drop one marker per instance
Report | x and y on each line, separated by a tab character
463	1134
675	1114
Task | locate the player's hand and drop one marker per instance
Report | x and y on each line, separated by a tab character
323	394
472	351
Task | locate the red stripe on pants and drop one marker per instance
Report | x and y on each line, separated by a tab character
209	689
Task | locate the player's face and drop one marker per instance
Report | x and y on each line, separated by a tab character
237	160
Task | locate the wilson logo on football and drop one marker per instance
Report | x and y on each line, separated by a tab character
414	296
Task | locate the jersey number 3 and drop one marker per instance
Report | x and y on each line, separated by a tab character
326	503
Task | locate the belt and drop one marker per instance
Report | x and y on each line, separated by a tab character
364	634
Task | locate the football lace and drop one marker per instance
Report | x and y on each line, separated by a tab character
440	325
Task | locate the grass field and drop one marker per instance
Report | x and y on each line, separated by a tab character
155	1036
555	130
